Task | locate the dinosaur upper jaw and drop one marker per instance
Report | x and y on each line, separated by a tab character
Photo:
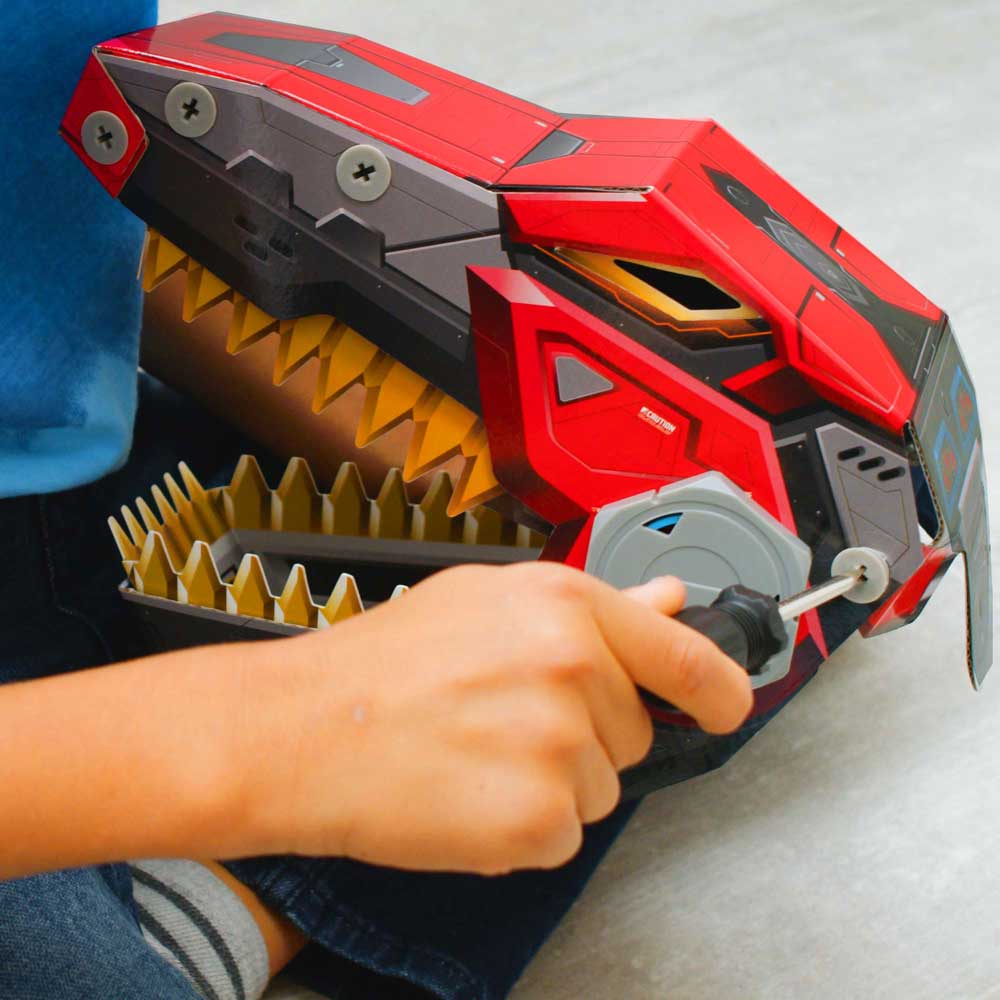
442	427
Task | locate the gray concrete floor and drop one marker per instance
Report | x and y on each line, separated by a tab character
849	851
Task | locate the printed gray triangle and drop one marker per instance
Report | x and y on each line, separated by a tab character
574	380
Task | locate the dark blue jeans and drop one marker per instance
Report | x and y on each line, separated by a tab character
376	932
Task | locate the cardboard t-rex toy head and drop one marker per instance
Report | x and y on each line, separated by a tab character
661	354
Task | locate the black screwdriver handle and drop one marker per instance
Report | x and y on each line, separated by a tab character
745	624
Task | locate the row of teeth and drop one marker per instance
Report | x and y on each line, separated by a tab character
167	553
198	584
443	427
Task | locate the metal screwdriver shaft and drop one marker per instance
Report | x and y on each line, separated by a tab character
751	627
823	593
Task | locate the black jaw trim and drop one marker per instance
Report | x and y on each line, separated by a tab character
239	222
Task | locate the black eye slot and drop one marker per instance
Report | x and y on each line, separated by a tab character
688	290
889	474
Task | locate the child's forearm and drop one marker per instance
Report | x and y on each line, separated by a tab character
135	760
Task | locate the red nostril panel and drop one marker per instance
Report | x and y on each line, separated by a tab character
102	128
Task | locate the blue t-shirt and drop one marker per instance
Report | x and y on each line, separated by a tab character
71	305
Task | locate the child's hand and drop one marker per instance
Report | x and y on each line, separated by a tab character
477	722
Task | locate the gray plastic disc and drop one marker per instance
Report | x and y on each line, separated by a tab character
105	139
190	109
363	173
709	533
877	575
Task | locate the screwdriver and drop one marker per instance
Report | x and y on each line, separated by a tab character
749	626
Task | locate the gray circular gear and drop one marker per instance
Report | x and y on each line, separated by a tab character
190	109
104	137
363	173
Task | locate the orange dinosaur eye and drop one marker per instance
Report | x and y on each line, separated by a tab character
686	303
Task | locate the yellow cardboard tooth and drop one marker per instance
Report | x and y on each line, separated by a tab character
126	547
191	482
152	523
393	391
390	510
199	582
193	523
135	529
155	573
296	504
477	484
346	506
295	606
207	504
300	341
483	526
162	260
248	325
149	519
344	601
247	499
344	357
431	522
173	527
248	594
441	425
178	498
203	291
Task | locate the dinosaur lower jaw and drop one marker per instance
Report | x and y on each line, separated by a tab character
293	555
296	556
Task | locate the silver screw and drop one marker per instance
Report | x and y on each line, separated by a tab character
190	109
104	136
363	173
